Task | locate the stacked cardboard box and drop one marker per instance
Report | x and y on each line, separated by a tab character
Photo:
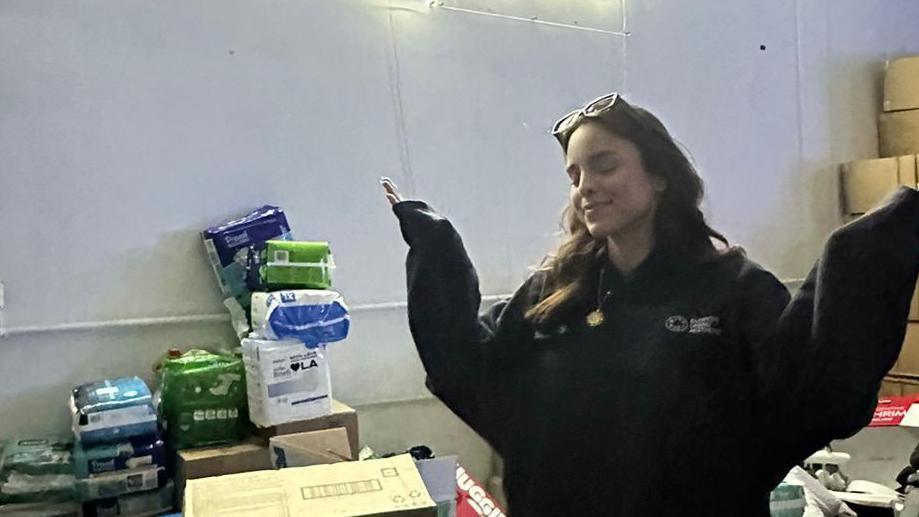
254	454
898	125
865	183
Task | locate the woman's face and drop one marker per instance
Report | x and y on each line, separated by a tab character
610	189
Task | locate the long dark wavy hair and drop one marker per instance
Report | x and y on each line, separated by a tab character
680	228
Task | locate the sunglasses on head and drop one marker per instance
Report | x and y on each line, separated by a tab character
594	108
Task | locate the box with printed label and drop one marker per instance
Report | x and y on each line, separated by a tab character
285	381
391	487
112	410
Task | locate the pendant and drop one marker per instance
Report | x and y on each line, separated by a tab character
595	318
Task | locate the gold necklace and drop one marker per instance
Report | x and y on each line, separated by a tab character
595	318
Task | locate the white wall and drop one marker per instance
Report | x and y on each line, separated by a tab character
127	127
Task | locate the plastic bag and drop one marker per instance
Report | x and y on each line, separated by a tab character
202	399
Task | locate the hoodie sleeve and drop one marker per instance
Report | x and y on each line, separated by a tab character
454	341
820	359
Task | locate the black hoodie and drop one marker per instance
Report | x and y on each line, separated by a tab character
702	388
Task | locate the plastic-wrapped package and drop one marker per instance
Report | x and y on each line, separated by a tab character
787	500
120	482
18	487
51	455
142	504
313	317
71	509
203	399
36	470
228	246
127	454
112	410
286	381
295	265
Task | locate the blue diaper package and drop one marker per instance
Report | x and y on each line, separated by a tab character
155	502
120	482
112	410
127	454
228	246
314	317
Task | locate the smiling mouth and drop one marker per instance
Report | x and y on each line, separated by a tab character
595	206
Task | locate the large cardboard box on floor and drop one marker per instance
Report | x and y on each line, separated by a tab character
898	132
206	462
391	487
311	448
901	84
341	416
865	183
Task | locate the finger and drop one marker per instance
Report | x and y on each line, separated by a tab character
388	184
390	188
392	199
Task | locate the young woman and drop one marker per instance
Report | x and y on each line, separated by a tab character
643	370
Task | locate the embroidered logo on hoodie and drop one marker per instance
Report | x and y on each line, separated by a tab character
702	325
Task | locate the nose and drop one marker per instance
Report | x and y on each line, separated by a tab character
586	184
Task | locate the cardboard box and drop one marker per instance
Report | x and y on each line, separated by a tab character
285	381
311	448
205	462
341	416
909	387
890	388
901	84
898	132
865	183
914	305
391	487
908	362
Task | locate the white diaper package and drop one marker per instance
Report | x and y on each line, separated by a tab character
285	381
315	317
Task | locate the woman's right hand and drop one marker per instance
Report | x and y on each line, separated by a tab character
392	193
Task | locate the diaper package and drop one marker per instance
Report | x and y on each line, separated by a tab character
296	265
228	246
112	410
127	454
144	504
120	482
46	455
202	399
71	509
286	381
313	317
36	470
